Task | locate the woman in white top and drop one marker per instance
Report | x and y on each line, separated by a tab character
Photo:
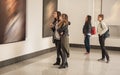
102	29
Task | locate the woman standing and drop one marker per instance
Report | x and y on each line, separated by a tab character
87	33
102	29
56	36
63	31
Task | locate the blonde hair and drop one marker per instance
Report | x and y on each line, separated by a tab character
64	21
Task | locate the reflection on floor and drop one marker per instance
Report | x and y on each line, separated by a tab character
79	64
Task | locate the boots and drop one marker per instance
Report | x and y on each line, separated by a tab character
101	59
57	62
63	66
68	55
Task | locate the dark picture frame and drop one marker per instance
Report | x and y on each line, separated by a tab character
49	6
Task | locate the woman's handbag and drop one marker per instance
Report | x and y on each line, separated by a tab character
107	34
93	31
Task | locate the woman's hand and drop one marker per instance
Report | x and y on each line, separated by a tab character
51	25
61	33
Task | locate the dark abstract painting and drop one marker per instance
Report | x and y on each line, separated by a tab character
12	21
49	6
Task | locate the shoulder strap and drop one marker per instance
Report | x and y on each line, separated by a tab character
101	25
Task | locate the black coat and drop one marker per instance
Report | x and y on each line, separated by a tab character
64	29
87	28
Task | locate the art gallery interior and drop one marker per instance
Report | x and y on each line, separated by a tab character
36	54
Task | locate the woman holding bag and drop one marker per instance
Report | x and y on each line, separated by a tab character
87	33
102	29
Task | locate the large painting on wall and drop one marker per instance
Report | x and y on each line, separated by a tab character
12	21
49	6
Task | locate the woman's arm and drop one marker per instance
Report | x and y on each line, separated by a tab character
104	28
63	28
52	26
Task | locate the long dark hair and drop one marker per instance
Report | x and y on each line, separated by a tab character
58	16
88	22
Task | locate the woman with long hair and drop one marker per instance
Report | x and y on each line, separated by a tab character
63	32
87	33
56	36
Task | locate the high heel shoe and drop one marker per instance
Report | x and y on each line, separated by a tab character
68	55
63	66
66	64
56	63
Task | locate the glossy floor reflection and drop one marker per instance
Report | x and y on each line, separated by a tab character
79	64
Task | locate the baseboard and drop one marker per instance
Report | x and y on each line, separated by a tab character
95	47
25	57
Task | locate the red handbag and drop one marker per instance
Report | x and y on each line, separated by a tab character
93	31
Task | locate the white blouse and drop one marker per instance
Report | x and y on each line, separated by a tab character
57	36
101	28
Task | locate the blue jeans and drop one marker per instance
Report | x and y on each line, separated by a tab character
87	43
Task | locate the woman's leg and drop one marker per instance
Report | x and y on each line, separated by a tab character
64	54
66	45
64	59
101	41
58	47
104	49
104	52
87	43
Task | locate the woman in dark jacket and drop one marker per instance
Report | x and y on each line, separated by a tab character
56	36
63	32
87	33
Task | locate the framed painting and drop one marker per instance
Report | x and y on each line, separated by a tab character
49	6
12	21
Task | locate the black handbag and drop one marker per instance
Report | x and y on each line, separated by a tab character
107	34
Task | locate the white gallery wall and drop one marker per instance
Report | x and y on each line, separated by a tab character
77	11
34	41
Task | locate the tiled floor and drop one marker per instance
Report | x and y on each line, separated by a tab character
79	64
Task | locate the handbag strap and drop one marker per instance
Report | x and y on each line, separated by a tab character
102	26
